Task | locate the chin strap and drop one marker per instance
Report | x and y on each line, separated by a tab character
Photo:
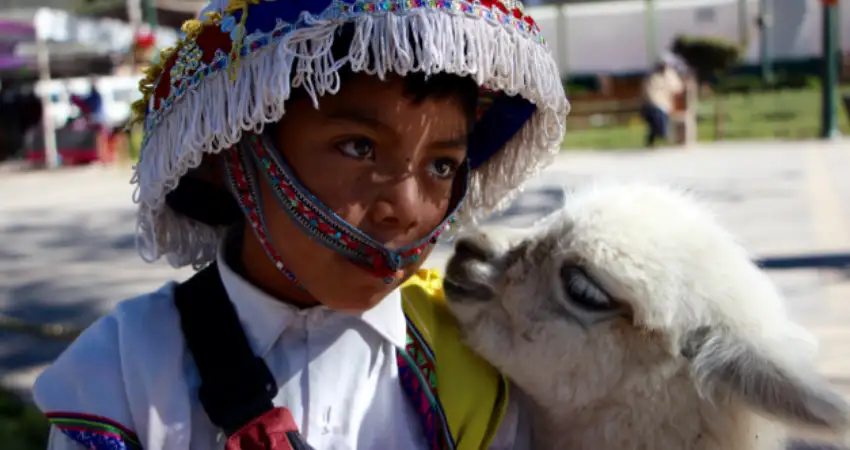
255	157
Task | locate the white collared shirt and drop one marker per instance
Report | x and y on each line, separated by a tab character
336	372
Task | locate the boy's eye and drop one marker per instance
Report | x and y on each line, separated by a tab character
357	148
444	168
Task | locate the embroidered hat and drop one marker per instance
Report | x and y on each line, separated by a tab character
233	70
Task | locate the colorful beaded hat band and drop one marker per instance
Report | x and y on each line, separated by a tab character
256	156
233	71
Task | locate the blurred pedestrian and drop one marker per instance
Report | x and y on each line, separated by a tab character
92	111
660	89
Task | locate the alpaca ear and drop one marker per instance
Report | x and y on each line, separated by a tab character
724	365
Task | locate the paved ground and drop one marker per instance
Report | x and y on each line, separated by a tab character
67	245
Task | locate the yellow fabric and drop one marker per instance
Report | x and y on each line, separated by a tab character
473	394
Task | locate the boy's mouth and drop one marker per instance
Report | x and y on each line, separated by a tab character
383	274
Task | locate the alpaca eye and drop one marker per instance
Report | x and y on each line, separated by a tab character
583	291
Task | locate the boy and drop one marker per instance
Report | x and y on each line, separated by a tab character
308	155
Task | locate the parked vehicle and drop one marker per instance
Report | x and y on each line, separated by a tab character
79	140
118	93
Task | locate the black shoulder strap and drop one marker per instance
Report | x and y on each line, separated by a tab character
236	385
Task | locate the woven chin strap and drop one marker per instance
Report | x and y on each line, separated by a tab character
255	157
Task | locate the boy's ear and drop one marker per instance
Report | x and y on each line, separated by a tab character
794	393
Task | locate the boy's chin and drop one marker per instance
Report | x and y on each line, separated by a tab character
352	288
358	288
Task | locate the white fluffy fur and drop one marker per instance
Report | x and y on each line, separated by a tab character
703	357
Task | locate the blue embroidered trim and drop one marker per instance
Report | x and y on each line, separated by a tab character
417	372
94	432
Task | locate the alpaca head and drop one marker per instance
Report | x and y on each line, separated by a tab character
636	290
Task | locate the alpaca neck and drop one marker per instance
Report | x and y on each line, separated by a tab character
649	420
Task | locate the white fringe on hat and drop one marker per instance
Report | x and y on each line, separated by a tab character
212	116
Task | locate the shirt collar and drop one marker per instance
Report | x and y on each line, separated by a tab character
264	318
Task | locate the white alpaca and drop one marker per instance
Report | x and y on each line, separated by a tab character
632	320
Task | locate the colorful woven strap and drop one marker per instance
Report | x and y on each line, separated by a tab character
94	432
417	370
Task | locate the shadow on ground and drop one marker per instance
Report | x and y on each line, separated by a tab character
837	261
93	236
529	207
66	268
806	446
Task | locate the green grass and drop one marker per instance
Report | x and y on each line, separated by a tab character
22	426
135	143
790	114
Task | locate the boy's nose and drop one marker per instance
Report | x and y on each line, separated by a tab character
397	212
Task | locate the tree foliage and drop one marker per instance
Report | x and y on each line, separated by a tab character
708	57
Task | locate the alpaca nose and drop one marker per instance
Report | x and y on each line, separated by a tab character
475	247
470	272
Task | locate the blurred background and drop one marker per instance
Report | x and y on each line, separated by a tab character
758	63
745	102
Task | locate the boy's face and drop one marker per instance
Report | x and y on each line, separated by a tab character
382	162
